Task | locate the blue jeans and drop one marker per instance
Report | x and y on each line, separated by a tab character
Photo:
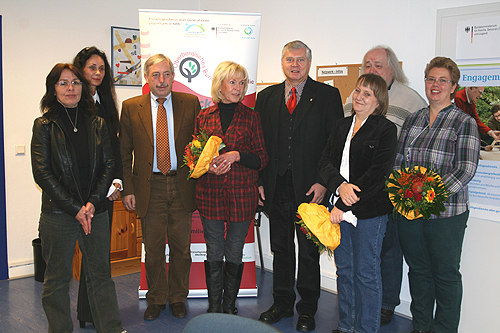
231	247
392	265
359	284
59	233
432	249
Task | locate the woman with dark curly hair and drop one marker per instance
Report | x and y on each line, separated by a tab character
95	67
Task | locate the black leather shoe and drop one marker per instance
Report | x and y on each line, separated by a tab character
274	314
386	316
417	331
306	322
178	310
153	311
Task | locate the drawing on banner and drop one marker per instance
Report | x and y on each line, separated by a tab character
126	56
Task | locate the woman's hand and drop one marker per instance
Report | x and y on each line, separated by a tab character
347	194
85	216
222	164
336	215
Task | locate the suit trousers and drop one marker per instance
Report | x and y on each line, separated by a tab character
166	216
282	217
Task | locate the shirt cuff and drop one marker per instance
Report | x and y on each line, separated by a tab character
119	181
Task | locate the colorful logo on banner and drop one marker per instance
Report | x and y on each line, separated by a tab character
195	30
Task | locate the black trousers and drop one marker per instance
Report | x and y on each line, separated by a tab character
283	228
83	306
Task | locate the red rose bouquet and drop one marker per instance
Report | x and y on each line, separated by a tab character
200	152
416	192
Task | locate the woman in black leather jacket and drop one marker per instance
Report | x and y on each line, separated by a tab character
73	164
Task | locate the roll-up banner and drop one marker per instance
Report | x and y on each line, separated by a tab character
197	42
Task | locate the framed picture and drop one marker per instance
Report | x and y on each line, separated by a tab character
126	56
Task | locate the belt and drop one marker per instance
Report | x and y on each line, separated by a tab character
171	173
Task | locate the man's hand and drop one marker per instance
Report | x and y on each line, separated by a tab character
116	193
319	192
262	197
129	201
495	135
347	194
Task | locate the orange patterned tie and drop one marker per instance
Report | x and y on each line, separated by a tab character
292	101
162	145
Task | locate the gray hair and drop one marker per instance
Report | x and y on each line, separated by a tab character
296	45
393	62
156	59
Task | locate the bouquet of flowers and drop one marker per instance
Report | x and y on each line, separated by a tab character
200	152
314	221
416	192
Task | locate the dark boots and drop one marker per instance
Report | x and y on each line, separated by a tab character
217	277
232	281
214	278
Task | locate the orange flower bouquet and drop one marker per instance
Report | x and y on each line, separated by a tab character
315	224
416	192
200	152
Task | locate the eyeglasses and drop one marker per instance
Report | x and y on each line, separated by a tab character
441	82
65	84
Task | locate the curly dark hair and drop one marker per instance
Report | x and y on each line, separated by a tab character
106	90
49	100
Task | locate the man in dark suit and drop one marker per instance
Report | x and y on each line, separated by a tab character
155	129
297	118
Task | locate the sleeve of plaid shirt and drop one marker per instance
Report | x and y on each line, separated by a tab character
466	155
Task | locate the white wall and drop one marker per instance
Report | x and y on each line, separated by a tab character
38	34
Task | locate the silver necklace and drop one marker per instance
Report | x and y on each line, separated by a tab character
76	119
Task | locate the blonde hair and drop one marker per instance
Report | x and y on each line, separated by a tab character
224	71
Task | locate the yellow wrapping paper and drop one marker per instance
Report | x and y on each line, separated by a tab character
317	219
210	150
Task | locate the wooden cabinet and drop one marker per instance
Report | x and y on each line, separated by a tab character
125	246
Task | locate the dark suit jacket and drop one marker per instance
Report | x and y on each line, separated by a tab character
371	158
136	136
319	107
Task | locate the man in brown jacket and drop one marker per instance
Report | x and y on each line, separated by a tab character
155	129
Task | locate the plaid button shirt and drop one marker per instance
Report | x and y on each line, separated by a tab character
450	146
233	196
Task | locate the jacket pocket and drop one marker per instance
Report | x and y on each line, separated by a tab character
368	150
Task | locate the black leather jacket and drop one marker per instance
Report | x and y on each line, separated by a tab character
53	161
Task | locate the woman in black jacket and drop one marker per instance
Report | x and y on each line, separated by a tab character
356	159
73	164
95	67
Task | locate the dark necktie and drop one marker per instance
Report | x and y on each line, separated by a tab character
292	101
162	144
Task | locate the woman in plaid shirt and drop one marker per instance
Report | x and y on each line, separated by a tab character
444	138
228	192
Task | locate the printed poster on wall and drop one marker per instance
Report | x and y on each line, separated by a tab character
478	51
196	43
484	190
